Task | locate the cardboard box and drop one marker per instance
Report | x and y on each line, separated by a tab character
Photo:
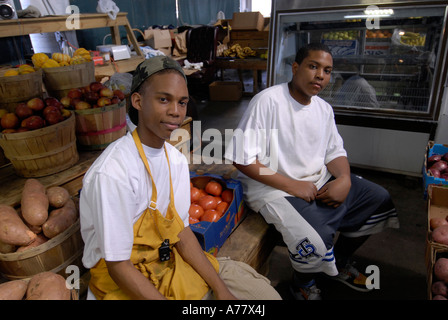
431	256
157	38
225	90
437	208
247	21
431	149
211	235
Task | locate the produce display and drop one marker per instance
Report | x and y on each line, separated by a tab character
94	95
413	39
42	286
341	35
34	114
42	60
44	213
236	51
373	34
22	69
437	165
210	203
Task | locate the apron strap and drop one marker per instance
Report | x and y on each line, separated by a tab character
138	143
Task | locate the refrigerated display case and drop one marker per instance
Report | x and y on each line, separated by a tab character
389	72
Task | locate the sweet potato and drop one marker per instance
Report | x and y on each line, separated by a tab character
7	248
440	234
40	239
12	229
57	196
34	202
60	219
441	269
47	285
13	290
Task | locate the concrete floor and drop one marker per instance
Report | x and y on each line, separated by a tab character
399	254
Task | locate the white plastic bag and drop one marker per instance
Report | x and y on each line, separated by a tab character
109	7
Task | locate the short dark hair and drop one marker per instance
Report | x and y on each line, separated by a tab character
304	51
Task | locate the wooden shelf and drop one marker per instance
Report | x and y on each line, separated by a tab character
20	27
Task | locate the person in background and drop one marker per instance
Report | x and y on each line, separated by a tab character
295	173
134	208
357	92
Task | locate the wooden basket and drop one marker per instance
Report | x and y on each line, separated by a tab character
98	127
58	81
21	88
44	151
54	255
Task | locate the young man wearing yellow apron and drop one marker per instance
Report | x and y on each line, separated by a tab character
134	207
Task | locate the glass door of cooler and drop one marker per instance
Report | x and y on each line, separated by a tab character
388	66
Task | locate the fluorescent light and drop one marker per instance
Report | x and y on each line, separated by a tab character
372	13
379	12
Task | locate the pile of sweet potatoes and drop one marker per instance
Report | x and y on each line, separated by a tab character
44	213
42	286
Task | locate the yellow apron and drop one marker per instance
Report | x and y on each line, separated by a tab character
174	278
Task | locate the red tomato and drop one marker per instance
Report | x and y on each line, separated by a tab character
227	195
195	211
194	194
211	216
222	207
192	220
208	202
213	188
202	193
218	200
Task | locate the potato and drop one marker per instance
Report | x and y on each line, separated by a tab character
57	196
440	234
441	269
12	229
439	288
40	239
60	219
47	285
34	202
13	290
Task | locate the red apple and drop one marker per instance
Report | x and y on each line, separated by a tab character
35	104
74	93
50	101
82	105
106	92
49	109
119	94
53	117
103	101
9	121
22	111
96	86
115	100
33	122
86	89
91	97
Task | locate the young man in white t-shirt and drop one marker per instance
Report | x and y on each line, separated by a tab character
295	172
134	208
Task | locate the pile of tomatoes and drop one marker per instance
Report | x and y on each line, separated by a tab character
209	203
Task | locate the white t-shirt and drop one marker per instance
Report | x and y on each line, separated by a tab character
290	138
117	190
